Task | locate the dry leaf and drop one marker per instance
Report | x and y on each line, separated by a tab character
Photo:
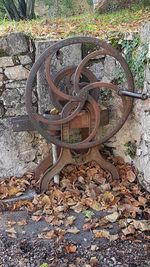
47	235
88	213
11	230
107	198
36	218
142	200
113	237
14	190
46	200
71	248
49	219
142	225
73	230
93	204
12	235
10	223
129	230
70	220
22	222
131	176
101	234
77	208
112	217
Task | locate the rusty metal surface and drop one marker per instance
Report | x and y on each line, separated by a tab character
78	93
66	158
78	108
22	123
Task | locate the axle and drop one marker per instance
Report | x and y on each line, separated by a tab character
132	94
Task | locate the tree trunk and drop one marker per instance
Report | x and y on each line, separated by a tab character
25	9
30	9
100	5
11	9
22	8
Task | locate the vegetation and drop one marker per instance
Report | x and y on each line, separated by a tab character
131	148
102	25
17	10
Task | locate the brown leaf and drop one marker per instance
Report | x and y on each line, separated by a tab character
22	222
46	200
131	176
142	200
73	230
101	234
129	230
11	230
49	219
107	198
70	220
78	207
92	203
13	191
36	218
142	225
47	235
112	217
71	248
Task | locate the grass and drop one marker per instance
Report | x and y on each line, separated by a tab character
127	20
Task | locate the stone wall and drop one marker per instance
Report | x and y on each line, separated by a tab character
23	151
19	151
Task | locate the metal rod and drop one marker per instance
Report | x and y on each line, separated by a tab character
54	155
132	94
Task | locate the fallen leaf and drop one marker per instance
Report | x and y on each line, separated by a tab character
49	219
22	222
129	230
70	220
73	230
71	248
36	218
47	235
10	223
46	200
93	204
101	234
94	261
142	225
108	197
113	237
11	230
142	200
131	176
112	217
88	213
14	190
77	208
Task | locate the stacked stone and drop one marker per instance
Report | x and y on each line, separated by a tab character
143	152
20	152
16	57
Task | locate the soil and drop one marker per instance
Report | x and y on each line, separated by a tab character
35	252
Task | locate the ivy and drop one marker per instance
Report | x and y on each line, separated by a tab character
131	148
135	54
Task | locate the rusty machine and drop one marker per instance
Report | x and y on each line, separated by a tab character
78	109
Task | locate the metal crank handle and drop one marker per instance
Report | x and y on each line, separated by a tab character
132	94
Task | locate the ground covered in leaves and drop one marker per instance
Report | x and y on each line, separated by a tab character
103	25
89	219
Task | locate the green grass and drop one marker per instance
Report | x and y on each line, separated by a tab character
88	24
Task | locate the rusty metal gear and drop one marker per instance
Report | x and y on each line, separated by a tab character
79	95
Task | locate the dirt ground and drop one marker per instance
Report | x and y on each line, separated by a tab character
89	220
25	252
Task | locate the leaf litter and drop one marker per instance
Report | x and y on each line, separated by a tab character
85	189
